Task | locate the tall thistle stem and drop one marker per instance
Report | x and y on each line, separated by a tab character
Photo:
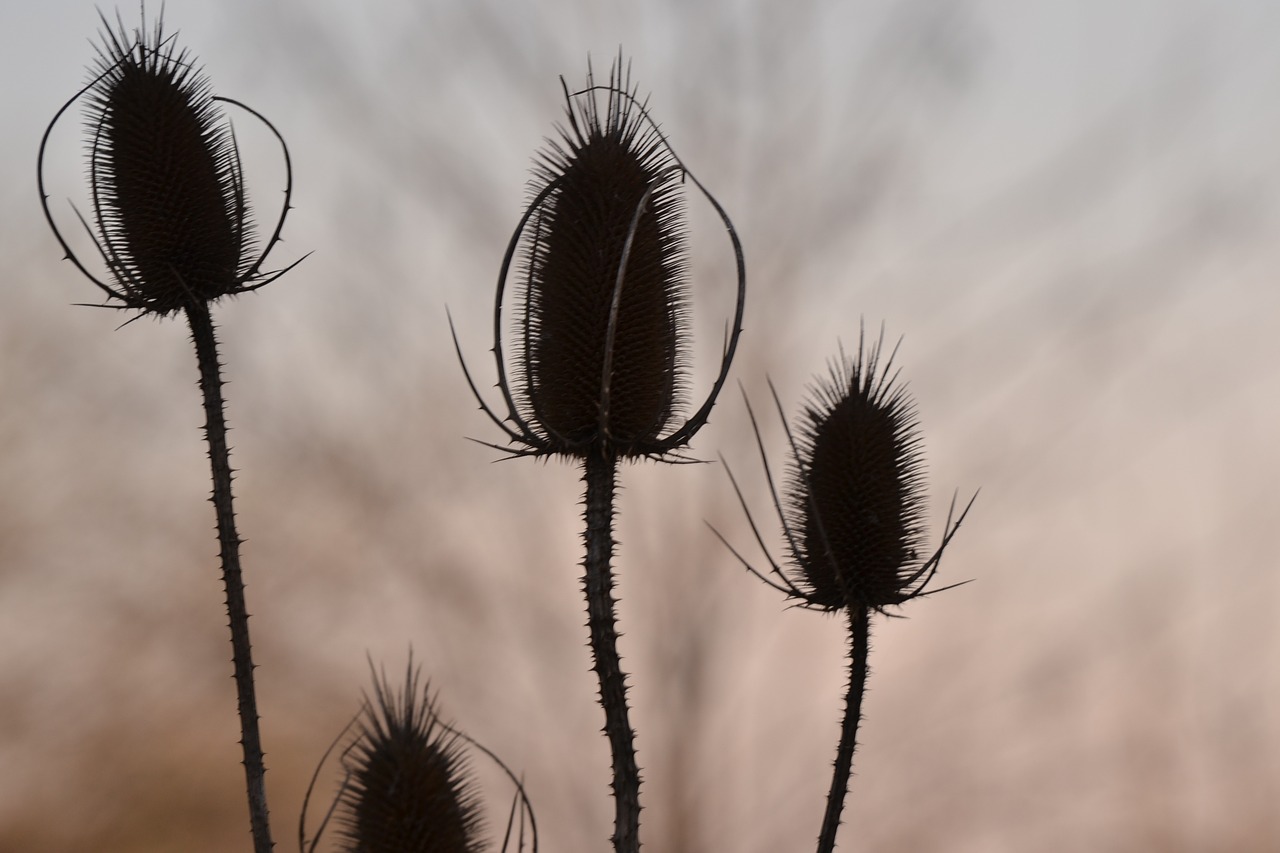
215	430
600	473
600	357
859	646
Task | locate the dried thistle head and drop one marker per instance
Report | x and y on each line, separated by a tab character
854	502
611	230
172	219
855	493
409	786
601	331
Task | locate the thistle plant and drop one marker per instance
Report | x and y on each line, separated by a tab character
601	343
172	225
598	374
852	517
407	785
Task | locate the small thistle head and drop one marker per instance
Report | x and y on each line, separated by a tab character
855	495
171	215
409	786
853	508
602	298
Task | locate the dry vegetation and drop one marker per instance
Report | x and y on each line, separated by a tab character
1091	339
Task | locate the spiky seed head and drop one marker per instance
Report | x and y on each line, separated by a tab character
855	495
409	786
602	324
172	216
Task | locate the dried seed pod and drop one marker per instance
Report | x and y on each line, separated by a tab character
409	786
856	489
599	363
604	288
853	507
172	217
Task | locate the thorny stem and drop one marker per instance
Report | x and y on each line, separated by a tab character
859	626
599	472
215	430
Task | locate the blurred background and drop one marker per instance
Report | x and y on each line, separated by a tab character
1067	212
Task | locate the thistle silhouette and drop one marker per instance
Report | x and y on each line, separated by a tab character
174	230
853	520
408	785
601	343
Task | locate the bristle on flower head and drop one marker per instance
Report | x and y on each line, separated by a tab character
604	290
409	788
856	492
172	217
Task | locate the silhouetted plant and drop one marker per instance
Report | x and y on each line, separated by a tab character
599	375
601	342
174	230
407	784
853	520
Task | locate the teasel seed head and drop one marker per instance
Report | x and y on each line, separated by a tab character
604	258
409	785
600	360
856	488
852	510
172	218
